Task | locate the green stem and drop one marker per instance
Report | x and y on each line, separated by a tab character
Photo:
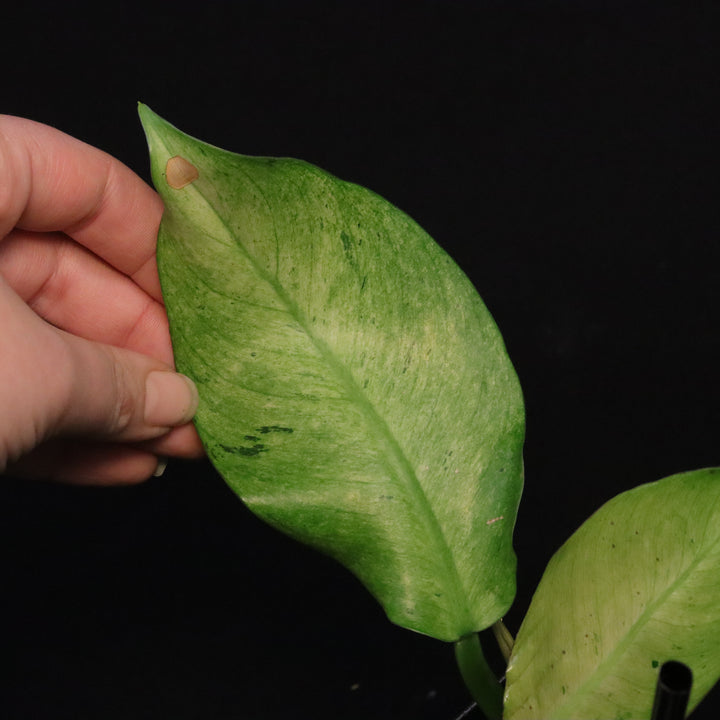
504	639
479	678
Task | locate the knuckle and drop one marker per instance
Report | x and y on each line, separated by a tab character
120	421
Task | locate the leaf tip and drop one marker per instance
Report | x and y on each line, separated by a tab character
150	120
146	114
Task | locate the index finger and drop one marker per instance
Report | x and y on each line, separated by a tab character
50	181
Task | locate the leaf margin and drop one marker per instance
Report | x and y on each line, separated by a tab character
149	119
539	660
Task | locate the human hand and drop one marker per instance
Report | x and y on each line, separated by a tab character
87	392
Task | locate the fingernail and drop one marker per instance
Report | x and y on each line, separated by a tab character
160	468
170	399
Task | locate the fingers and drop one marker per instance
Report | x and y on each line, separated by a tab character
79	233
82	463
64	385
117	394
78	292
53	182
180	442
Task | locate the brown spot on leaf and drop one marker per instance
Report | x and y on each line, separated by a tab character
180	172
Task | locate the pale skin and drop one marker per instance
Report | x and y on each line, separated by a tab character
88	392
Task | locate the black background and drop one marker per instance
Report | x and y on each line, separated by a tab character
565	154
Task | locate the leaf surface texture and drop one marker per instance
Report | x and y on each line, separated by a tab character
635	586
355	391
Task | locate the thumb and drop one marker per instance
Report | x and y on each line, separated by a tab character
120	395
57	384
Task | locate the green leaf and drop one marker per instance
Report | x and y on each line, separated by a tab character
636	585
355	391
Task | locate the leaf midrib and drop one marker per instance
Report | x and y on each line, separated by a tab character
373	419
646	617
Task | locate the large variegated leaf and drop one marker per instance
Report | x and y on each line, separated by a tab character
355	391
636	585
